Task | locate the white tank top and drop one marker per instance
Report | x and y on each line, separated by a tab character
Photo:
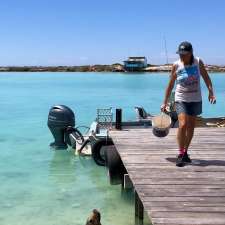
188	87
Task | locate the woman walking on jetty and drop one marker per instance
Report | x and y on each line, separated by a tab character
188	99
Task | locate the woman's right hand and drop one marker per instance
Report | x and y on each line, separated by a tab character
163	107
212	98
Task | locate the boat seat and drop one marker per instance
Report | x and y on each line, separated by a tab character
141	113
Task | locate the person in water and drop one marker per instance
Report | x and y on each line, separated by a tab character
186	73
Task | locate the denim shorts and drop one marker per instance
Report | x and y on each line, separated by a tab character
189	108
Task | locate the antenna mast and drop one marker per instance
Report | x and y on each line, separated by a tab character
166	52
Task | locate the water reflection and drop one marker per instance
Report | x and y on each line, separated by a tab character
62	168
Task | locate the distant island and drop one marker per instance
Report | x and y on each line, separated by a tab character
117	67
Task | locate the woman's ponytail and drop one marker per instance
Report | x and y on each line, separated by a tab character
192	59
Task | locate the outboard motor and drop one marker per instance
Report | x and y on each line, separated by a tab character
60	117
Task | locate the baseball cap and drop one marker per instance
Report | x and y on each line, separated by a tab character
184	48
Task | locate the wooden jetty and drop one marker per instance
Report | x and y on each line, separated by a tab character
170	195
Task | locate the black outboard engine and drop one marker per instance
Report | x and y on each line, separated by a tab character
60	117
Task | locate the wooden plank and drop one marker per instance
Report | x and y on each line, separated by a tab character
171	160
132	166
184	203
203	181
190	219
178	208
176	174
181	192
181	186
158	157
195	199
196	215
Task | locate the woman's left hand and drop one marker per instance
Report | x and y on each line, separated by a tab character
212	98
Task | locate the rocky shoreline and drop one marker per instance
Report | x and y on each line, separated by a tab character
117	67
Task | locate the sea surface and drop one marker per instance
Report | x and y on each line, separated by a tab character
40	186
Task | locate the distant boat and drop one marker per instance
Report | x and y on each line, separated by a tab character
135	64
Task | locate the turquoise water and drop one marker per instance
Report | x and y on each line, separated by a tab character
43	187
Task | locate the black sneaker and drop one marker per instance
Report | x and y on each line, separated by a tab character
180	162
186	158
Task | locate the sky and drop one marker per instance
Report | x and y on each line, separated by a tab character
80	32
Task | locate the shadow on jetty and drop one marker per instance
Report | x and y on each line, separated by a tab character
201	162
